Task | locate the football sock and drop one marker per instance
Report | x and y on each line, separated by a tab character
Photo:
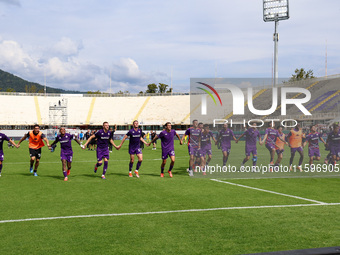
130	166
98	164
138	165
65	174
106	163
171	166
162	170
0	168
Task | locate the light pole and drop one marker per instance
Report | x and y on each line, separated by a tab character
275	10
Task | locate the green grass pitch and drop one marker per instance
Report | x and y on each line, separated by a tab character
244	225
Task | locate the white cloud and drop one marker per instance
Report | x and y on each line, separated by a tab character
11	2
64	69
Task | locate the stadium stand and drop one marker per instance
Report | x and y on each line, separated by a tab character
80	110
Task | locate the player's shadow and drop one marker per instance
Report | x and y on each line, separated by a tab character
59	177
91	175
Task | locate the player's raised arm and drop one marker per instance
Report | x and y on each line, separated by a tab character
179	138
123	140
154	139
213	137
13	143
114	145
22	139
238	139
218	139
78	142
264	139
143	141
287	138
46	141
88	141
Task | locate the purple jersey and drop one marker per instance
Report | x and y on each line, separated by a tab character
3	138
134	137
251	137
313	140
167	140
205	139
334	139
194	135
225	137
272	135
103	139
65	142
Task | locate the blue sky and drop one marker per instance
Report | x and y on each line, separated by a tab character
76	44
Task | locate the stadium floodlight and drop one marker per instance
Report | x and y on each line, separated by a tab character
275	10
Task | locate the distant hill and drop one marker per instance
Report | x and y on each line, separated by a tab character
12	83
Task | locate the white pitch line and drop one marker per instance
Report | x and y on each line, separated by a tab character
269	191
284	177
166	212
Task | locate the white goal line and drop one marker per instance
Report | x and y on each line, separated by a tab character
166	212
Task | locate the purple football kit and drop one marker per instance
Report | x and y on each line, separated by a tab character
251	140
206	143
272	135
313	144
103	140
134	144
226	136
334	143
3	138
66	152
167	143
194	135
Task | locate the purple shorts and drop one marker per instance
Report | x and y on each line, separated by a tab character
66	156
314	152
193	151
103	154
205	151
278	151
335	151
165	154
293	150
250	150
226	148
270	146
1	156
135	151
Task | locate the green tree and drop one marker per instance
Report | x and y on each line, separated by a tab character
162	87
169	90
10	90
301	74
152	88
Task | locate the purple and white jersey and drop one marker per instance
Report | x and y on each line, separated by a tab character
167	140
226	136
272	135
251	137
134	137
3	138
313	140
205	139
103	139
65	142
194	135
334	139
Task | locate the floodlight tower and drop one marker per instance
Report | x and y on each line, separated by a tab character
275	10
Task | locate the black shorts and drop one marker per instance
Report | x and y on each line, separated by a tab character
35	153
